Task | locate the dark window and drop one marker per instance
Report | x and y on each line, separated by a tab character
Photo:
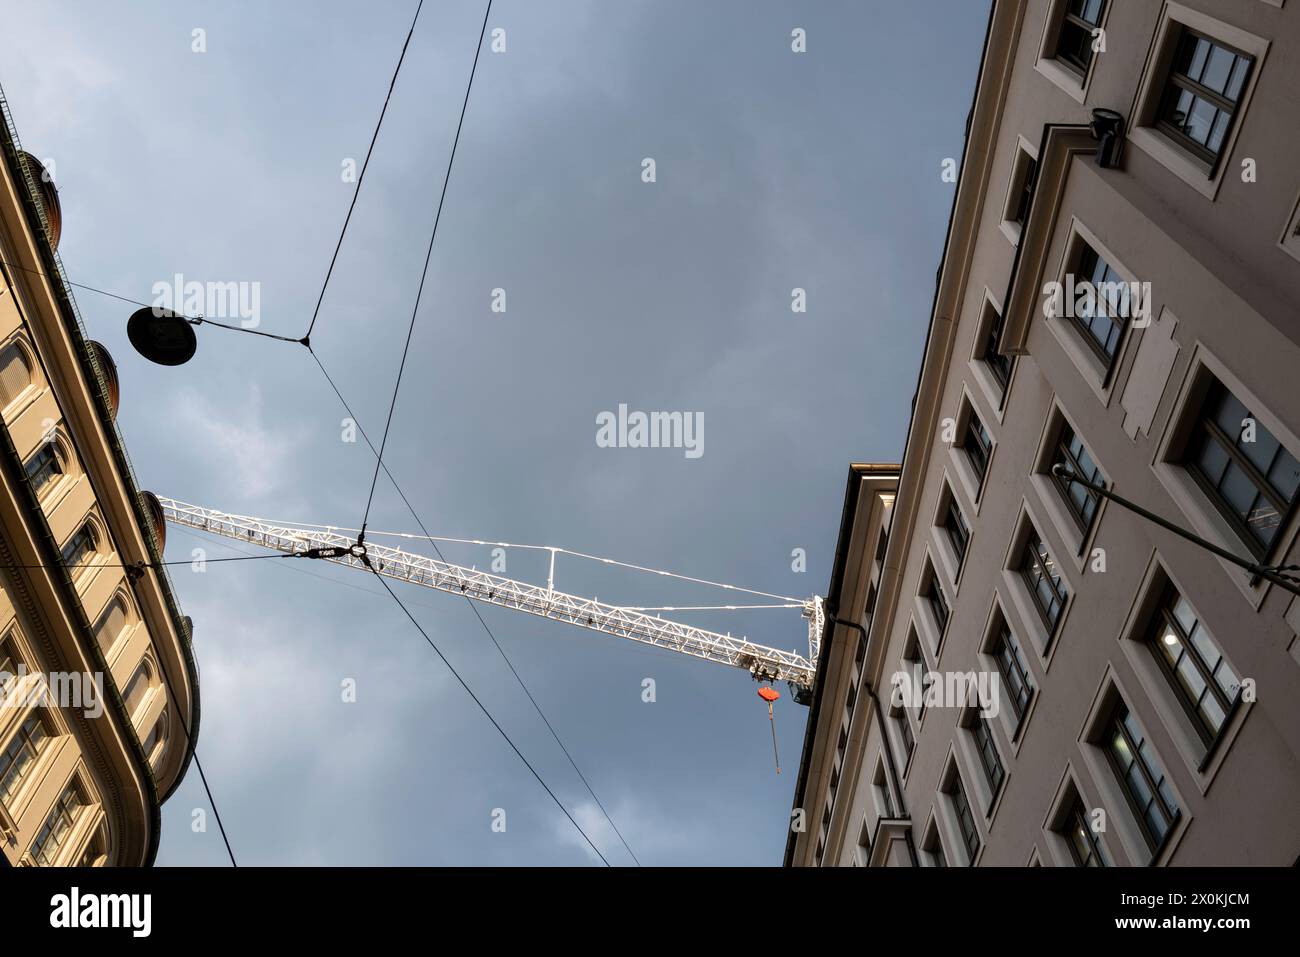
852	698
1194	664
881	544
905	732
859	657
938	603
1202	93
1000	364
1071	452
1079	835
1102	318
1015	676
990	760
978	445
43	467
1074	45
915	666
1141	775
1253	483
1024	192
970	834
79	547
954	524
1044	580
871	600
934	847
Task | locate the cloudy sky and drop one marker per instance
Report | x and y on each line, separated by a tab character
774	170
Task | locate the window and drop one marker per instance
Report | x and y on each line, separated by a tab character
978	445
1201	94
157	737
20	755
965	819
15	373
94	853
999	364
1194	664
863	856
138	686
881	544
880	792
1044	580
1024	193
1100	318
915	667
933	593
57	825
871	599
1074	44
1248	474
1079	836
9	659
954	523
44	467
990	760
1082	502
80	547
1015	676
905	732
1141	776
933	847
112	623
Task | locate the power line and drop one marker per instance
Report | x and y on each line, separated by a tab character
477	614
192	320
424	273
488	714
306	339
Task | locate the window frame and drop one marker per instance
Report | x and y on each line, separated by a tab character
1068	17
1171	81
1075	821
1114	722
1061	453
1031	555
1164	618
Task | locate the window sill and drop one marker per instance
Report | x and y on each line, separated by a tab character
1068	81
1173	158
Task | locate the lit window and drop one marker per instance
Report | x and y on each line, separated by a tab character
1206	684
1085	849
1141	776
1044	580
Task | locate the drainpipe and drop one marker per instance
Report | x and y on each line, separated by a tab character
888	748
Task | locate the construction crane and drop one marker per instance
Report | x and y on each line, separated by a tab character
328	543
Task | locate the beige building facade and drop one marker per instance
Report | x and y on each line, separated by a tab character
1127	308
100	701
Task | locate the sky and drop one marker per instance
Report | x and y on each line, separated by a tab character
773	171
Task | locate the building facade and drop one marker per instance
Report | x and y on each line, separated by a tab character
100	689
1126	306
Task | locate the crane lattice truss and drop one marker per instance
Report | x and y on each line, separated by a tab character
544	601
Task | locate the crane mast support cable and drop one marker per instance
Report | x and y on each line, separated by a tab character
543	601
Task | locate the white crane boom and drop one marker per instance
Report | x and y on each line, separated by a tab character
544	601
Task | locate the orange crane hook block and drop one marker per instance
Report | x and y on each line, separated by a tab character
770	695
